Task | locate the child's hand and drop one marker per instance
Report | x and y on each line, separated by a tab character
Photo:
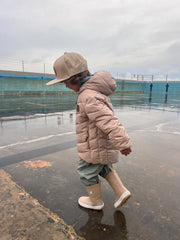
126	151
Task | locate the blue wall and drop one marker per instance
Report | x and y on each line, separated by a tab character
37	85
23	85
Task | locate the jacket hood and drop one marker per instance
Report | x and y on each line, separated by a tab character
102	82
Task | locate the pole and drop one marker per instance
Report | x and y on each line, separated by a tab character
166	78
44	68
23	65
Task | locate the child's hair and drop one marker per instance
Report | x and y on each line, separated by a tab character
78	78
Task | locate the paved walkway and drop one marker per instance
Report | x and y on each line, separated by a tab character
22	217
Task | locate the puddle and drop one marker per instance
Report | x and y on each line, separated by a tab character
42	158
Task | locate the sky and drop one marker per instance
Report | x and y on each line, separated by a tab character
120	36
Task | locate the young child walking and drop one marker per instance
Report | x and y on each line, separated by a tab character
100	135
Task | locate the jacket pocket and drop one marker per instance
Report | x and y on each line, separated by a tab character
87	138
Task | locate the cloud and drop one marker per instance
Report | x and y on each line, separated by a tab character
119	35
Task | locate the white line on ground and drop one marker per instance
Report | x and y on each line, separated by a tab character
36	140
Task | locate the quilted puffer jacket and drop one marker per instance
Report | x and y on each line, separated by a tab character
100	135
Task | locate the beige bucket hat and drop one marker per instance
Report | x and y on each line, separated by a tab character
67	66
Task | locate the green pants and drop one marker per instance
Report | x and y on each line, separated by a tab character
89	172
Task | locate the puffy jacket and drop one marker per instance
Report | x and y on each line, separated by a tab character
100	135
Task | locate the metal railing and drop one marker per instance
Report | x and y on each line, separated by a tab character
145	77
10	64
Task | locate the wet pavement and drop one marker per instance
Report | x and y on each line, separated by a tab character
22	217
40	155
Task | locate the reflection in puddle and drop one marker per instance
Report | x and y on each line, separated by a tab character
29	105
94	229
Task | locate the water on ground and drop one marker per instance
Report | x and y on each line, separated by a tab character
38	149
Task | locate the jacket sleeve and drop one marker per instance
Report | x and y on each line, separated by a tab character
104	118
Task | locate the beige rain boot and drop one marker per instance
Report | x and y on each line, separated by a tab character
122	194
94	201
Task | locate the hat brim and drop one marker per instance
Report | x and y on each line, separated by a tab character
54	81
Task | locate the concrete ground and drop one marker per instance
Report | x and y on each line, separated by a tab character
23	217
39	160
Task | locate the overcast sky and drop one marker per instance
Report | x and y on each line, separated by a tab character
135	36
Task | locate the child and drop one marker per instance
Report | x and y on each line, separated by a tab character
100	135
